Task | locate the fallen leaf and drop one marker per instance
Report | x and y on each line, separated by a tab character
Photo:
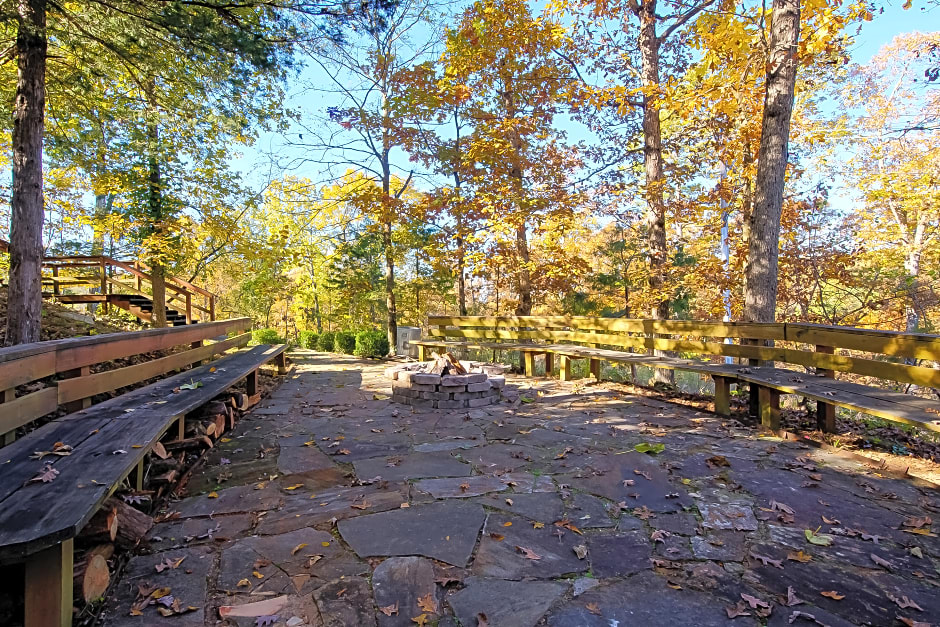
427	604
916	552
643	513
904	602
507	524
509	502
482	620
388	610
363	505
295	486
528	553
652	449
243	583
593	608
498	537
257	574
538	525
46	475
718	461
566	524
740	609
421	620
581	551
792	599
297	548
799	556
169	563
268	607
643	474
816	538
832	594
766	561
213	495
917	522
912	623
753	602
830	521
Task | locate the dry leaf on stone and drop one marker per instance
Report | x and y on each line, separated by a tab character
832	594
766	561
593	608
388	610
792	599
717	461
566	524
882	562
904	602
482	620
912	623
643	513
581	551
799	556
740	609
916	522
421	620
427	603
298	548
659	535
753	602
363	505
169	563
528	553
643	474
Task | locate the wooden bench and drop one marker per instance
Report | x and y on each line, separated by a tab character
813	347
109	440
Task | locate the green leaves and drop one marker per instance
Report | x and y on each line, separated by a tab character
817	538
652	449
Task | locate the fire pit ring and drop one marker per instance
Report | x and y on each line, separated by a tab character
446	383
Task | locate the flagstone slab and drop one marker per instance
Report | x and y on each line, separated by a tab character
500	458
193	531
237	499
619	555
728	516
411	466
298	459
588	512
302	509
445	445
643	600
345	602
287	554
401	581
461	487
526	482
187	582
504	603
499	557
545	507
446	531
620	478
722	546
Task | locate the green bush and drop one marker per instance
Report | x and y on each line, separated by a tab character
344	342
265	336
325	341
371	344
307	339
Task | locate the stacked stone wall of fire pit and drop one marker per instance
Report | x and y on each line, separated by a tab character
449	391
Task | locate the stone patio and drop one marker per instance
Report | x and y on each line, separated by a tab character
331	505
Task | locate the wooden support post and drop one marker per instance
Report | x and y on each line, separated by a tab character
82	403
195	345
251	383
596	369
769	399
825	413
181	427
549	366
49	587
422	352
281	361
138	474
753	402
189	308
528	363
104	285
55	280
137	276
722	395
564	370
7	396
212	308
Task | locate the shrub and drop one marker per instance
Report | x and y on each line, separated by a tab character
344	342
325	341
371	344
307	339
265	336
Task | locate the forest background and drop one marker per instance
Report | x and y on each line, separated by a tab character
362	166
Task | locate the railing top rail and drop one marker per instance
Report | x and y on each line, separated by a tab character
121	344
177	283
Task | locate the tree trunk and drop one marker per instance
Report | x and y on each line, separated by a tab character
760	287
390	287
524	308
653	166
24	304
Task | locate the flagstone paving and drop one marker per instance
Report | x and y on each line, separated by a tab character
331	505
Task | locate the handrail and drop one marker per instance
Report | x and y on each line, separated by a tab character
92	260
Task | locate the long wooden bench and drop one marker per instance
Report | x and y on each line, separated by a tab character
109	440
821	350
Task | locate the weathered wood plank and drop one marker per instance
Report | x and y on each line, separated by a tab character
98	383
25	409
26	369
897	344
48	587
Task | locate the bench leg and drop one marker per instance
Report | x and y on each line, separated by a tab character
138	474
281	361
549	366
753	401
251	383
564	368
528	363
181	428
769	400
422	353
49	587
825	417
722	395
596	369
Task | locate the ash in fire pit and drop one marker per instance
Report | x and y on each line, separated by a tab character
446	383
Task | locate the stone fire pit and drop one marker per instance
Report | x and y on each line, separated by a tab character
432	384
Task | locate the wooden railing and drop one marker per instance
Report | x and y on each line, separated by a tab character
111	276
808	345
71	359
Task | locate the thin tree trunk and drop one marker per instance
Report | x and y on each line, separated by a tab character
760	287
390	286
524	308
653	165
24	298
155	202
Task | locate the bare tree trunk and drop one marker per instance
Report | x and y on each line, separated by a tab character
760	287
653	163
155	202
390	286
524	308
24	304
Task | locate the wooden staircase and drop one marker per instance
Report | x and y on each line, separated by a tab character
141	307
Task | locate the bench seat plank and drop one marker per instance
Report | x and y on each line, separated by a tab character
829	391
35	516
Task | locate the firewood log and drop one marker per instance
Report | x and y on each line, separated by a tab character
133	524
199	441
91	577
102	527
